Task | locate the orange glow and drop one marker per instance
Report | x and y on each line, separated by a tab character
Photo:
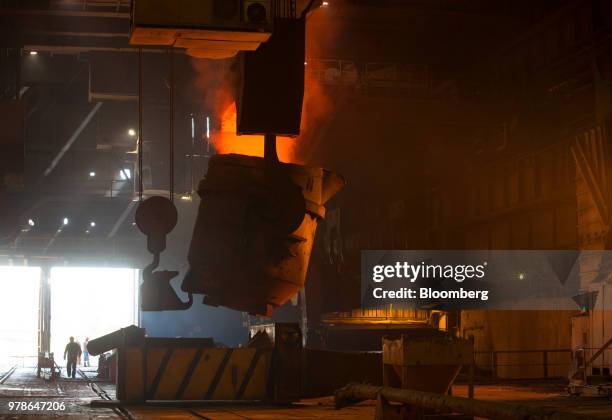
316	110
227	141
381	316
217	78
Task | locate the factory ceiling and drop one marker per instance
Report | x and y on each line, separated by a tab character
78	78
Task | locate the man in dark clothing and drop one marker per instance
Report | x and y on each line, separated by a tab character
73	351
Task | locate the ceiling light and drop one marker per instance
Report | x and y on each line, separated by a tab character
65	221
325	4
92	224
92	174
31	222
131	132
33	52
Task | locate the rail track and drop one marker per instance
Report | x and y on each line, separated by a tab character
120	411
7	375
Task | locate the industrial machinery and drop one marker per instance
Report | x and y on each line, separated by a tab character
206	28
257	219
272	368
46	367
252	239
255	229
419	373
156	217
428	364
582	384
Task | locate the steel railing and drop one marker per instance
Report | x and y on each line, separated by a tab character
537	363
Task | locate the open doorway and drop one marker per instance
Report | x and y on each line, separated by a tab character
89	302
19	288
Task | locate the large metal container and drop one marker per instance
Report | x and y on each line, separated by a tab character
424	364
254	233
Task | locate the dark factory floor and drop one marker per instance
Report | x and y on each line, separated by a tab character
24	387
547	395
71	398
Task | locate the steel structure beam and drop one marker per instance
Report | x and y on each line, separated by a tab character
72	139
44	310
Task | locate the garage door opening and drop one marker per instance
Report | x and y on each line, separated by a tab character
90	302
19	288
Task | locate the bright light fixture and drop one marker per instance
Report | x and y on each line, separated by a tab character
325	4
33	52
131	132
65	221
92	224
125	174
31	222
92	174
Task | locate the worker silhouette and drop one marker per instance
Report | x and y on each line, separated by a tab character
85	353
73	351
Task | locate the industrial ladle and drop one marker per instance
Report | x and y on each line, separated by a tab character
280	207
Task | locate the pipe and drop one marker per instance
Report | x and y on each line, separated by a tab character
116	339
140	136
353	393
171	103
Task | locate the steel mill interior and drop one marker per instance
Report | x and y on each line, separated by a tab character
306	209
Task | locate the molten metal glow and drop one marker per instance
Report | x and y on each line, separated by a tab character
217	79
227	141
